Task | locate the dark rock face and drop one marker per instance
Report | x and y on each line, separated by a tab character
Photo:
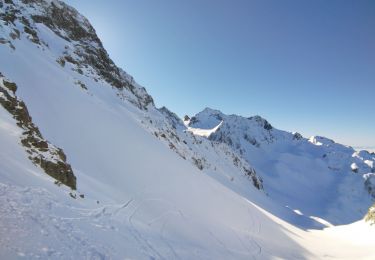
171	117
11	13
297	136
263	122
251	140
63	18
193	121
42	153
88	52
198	163
257	181
370	185
10	85
221	137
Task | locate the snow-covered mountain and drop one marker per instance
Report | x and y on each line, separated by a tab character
316	177
90	168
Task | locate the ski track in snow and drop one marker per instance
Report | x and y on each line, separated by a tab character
18	221
66	224
145	196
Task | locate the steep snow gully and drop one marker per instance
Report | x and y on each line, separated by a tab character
91	169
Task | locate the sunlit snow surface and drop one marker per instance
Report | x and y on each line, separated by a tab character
321	181
141	199
202	132
160	220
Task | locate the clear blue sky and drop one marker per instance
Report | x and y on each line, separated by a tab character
306	66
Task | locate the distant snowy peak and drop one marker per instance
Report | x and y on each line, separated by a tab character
233	129
77	45
206	119
192	145
67	46
258	142
210	118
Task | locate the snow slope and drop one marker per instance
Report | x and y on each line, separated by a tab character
147	188
315	177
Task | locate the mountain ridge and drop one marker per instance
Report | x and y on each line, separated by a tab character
255	140
148	185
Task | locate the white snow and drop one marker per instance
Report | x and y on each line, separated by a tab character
204	132
142	200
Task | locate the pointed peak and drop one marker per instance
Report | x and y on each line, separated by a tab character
209	110
208	118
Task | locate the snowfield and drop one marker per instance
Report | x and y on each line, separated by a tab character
148	186
168	221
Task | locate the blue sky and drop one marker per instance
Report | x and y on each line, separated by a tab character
306	66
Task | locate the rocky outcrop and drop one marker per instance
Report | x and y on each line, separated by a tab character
80	50
370	184
203	153
262	122
370	216
84	50
41	152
